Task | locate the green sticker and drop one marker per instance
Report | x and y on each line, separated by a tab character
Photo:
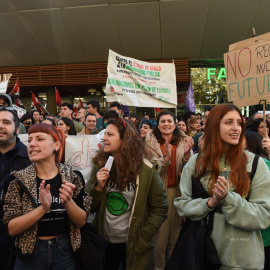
116	203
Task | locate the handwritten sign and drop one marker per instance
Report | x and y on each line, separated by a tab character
79	151
248	71
141	84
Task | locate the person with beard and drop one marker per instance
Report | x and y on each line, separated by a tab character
13	156
5	100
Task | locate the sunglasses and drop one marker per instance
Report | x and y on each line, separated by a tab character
123	121
6	108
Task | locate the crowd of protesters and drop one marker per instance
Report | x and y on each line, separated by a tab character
185	192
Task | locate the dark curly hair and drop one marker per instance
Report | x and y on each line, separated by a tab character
256	123
127	165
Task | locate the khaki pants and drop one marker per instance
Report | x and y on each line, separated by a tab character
168	233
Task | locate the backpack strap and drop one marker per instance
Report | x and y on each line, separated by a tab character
254	166
28	194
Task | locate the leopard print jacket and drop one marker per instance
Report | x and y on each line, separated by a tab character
16	206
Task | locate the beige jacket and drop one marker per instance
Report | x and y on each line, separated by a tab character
82	132
154	150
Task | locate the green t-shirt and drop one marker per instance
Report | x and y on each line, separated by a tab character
99	122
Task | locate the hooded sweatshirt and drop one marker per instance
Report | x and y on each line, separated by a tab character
10	104
236	230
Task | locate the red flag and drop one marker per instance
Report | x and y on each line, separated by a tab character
75	111
36	103
158	110
80	104
16	88
18	102
58	98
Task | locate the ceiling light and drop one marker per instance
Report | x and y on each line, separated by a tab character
92	90
42	95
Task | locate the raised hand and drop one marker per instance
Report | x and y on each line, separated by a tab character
219	192
66	192
102	177
168	150
221	188
188	144
45	196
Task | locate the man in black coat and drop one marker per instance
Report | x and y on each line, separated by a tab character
13	156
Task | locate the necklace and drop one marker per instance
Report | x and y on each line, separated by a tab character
226	175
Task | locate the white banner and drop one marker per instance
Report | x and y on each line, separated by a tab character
20	111
141	84
3	86
79	151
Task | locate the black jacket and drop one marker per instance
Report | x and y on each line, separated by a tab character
15	159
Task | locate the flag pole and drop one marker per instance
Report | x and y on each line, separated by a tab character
44	108
41	104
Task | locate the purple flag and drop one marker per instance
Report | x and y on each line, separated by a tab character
125	109
190	103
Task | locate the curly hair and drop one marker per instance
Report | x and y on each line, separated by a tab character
127	165
256	123
177	134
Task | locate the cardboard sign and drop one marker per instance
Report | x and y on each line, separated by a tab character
248	71
141	84
3	86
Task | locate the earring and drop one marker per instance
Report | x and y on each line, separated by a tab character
55	151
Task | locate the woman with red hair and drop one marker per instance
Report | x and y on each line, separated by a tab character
226	190
46	204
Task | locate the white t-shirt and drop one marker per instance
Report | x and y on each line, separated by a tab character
117	213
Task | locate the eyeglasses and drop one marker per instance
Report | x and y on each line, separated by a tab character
6	108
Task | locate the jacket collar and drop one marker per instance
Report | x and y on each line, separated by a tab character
28	177
22	148
152	142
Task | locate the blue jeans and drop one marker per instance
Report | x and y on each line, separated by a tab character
55	253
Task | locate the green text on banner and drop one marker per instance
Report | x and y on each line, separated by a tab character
140	84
